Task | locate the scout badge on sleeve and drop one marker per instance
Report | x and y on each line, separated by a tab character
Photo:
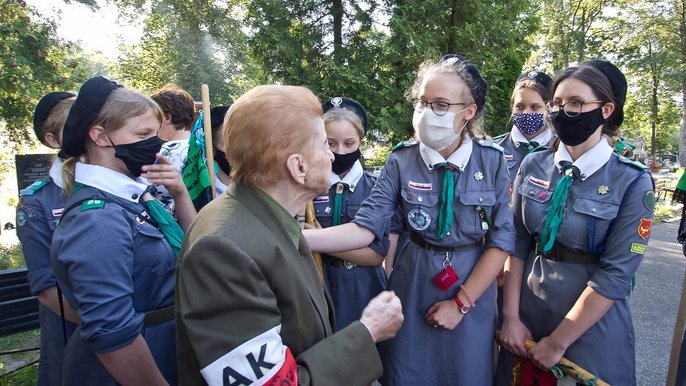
644	228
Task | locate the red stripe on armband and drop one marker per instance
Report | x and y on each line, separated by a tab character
288	373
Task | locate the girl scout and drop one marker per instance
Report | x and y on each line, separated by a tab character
351	286
452	188
41	206
114	265
530	130
583	216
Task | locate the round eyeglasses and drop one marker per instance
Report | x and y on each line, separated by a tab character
439	108
572	107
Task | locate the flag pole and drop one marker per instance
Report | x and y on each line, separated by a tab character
207	123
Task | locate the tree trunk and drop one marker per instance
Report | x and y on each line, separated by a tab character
680	8
654	103
337	14
452	34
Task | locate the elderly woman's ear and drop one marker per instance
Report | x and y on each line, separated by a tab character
295	163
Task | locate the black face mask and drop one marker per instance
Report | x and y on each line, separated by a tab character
343	162
222	161
574	131
137	154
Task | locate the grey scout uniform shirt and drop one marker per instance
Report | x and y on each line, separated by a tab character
608	214
516	147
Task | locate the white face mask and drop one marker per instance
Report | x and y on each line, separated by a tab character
435	131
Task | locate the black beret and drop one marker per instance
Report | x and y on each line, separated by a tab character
538	77
84	112
217	115
618	83
44	106
480	89
349	104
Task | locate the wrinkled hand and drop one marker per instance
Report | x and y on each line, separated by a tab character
444	314
165	173
546	353
513	335
383	316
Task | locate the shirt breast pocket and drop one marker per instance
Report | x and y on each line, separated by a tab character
420	209
323	210
535	201
595	216
149	243
474	213
350	211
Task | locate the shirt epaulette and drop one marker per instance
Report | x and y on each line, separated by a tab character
404	144
33	188
92	204
491	144
633	163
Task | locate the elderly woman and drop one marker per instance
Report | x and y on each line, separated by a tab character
251	305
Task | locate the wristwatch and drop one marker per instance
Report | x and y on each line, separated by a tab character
460	306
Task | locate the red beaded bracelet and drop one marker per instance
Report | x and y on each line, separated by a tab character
466	293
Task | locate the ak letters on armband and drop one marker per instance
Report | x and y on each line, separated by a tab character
262	360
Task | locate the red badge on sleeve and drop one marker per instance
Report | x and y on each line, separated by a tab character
644	228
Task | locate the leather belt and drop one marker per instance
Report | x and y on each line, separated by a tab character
337	263
565	256
419	240
158	316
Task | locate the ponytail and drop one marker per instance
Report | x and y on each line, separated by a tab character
68	175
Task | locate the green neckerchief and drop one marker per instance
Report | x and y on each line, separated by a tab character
338	204
445	216
282	216
557	208
166	224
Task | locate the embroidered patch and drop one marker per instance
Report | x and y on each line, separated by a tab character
321	199
92	204
638	248
649	200
539	182
644	228
419	219
57	212
22	216
420	185
542	195
508	157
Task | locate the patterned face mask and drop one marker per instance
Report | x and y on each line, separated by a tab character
528	123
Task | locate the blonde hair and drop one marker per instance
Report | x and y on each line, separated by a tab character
121	105
266	125
55	121
475	125
343	114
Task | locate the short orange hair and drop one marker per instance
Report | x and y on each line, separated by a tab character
265	126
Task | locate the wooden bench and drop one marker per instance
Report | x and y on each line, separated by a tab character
664	186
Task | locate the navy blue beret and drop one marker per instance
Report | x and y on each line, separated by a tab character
618	83
84	112
46	104
538	77
349	104
479	90
217	115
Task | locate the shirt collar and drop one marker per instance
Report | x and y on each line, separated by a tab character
350	179
110	181
590	161
56	173
459	158
541	139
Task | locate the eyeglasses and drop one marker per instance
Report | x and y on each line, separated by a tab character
572	107
440	108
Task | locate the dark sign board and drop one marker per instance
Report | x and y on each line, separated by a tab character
32	167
